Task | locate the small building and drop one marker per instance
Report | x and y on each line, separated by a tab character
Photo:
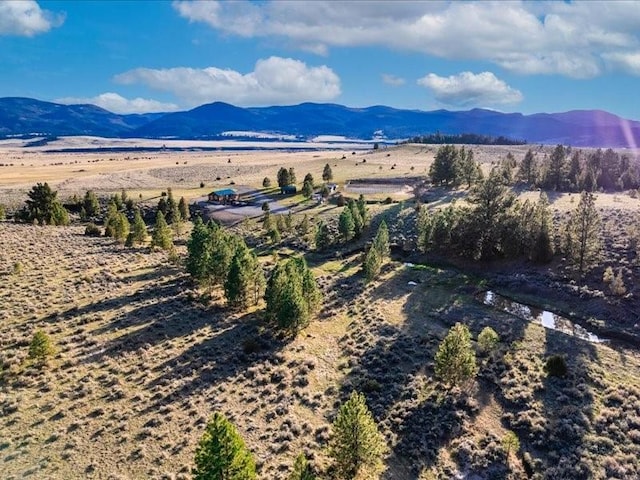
288	190
224	196
332	187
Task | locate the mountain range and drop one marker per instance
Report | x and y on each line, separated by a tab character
25	116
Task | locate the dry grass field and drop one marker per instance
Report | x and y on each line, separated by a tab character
143	359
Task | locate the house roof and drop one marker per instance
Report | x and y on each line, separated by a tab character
224	192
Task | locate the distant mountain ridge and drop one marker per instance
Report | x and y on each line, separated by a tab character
22	116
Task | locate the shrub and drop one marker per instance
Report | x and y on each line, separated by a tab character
201	184
3	213
556	366
266	182
41	347
92	230
617	286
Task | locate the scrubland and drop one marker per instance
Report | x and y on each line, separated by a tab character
143	359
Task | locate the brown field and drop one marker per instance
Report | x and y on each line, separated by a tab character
143	359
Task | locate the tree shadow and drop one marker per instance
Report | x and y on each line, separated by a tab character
391	359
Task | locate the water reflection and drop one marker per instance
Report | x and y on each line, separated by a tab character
543	317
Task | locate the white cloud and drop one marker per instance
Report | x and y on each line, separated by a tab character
469	89
26	18
627	61
274	81
575	38
393	80
118	104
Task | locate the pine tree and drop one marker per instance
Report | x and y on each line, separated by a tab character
356	445
582	234
468	167
358	222
173	213
455	361
372	264
307	189
44	207
528	171
90	204
292	295
121	227
139	231
327	174
222	454
346	225
162	206
41	347
301	469
323	238
488	339
292	176
446	166
183	208
198	251
161	233
381	241
362	210
240	283
284	178
424	226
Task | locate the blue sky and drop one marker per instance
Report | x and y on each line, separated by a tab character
172	55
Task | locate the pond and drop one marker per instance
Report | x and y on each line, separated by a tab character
545	318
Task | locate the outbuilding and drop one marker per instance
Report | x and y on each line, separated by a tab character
288	190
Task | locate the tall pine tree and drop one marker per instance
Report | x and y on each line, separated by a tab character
356	446
222	454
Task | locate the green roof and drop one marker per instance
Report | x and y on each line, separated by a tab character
224	192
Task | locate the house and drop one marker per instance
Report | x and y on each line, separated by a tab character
224	196
288	190
332	187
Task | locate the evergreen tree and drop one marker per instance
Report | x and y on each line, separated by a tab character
582	234
372	264
240	283
222	454
346	226
111	219
528	171
362	210
266	182
183	208
292	176
488	339
307	189
424	227
139	228
468	167
173	213
358	221
455	361
161	237
198	251
90	204
41	347
301	469
446	166
292	295
162	206
121	227
327	174
381	241
323	237
308	178
44	207
284	178
556	168
356	446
